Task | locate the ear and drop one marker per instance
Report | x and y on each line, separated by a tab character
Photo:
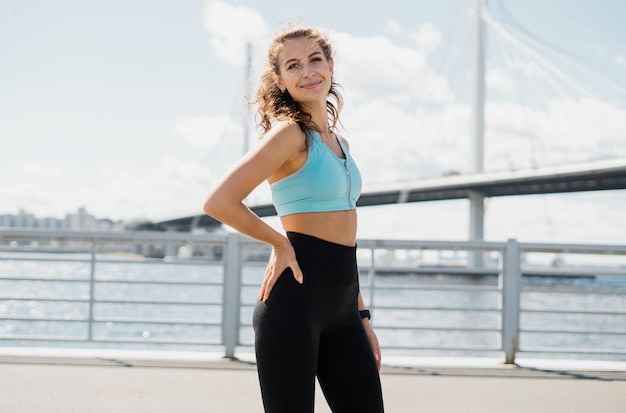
278	82
331	64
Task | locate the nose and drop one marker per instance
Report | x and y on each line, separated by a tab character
307	69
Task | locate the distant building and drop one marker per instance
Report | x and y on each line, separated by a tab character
81	220
49	223
7	221
25	220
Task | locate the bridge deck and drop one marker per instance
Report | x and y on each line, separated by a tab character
593	176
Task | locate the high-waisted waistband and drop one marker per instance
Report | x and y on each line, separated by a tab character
326	260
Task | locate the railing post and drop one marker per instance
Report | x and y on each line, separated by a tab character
510	285
371	277
92	288
231	295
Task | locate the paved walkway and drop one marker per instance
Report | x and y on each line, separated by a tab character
85	384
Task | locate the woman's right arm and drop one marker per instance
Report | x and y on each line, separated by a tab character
225	200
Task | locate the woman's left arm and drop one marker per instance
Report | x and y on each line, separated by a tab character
371	336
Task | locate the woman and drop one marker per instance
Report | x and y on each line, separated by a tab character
310	319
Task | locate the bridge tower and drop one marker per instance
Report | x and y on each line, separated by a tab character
477	199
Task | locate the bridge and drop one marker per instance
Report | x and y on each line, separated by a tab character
590	176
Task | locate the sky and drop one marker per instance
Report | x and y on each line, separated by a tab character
133	109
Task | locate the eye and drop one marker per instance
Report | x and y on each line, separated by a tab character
293	66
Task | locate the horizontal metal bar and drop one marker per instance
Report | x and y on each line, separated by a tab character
45	338
111	300
140	261
107	320
17	317
153	301
85	260
471	288
185	238
574	248
416	328
429	245
463	348
573	331
573	350
46	279
578	291
157	282
114	280
47	299
109	340
422	308
418	269
566	311
124	320
573	272
131	340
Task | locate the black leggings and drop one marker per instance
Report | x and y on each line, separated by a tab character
314	328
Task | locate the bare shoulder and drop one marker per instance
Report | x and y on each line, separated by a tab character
343	140
287	134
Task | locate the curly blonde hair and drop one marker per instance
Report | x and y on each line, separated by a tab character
276	105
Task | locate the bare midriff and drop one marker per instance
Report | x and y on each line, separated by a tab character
335	226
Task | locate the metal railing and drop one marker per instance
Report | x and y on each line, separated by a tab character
181	290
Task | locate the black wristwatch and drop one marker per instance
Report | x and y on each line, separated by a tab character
365	314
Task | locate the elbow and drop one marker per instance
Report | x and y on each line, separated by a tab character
214	206
210	207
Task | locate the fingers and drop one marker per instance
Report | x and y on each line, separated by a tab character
374	344
378	355
283	256
297	273
268	284
271	277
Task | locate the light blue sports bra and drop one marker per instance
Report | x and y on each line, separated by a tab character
324	183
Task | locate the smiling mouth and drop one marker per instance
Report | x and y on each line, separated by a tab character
311	85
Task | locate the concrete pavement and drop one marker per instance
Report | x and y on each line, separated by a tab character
89	383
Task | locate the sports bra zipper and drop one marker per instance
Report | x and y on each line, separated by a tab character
345	165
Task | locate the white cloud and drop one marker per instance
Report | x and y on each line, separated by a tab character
393	144
528	68
393	27
557	218
427	38
208	132
375	67
232	28
569	131
620	60
497	79
36	170
175	187
32	197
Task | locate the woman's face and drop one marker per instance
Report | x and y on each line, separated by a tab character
304	71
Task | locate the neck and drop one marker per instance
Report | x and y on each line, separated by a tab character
318	115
